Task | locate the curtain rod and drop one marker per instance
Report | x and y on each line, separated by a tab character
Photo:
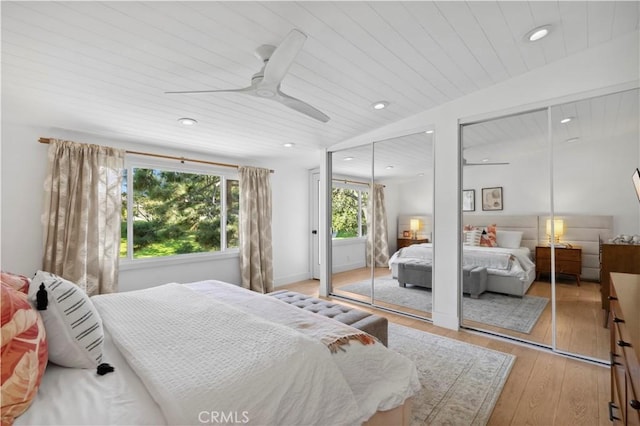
170	157
354	181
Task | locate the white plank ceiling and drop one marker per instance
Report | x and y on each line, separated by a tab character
103	67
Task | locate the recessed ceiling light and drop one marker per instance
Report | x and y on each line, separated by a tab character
429	132
572	140
389	167
485	160
380	105
288	144
566	120
348	158
538	33
420	174
187	121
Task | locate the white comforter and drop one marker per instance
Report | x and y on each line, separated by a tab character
497	260
247	368
379	378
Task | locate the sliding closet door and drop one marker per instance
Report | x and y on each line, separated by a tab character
595	152
400	223
350	192
382	202
506	186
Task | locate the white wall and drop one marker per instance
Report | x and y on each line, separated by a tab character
348	254
24	164
591	177
600	68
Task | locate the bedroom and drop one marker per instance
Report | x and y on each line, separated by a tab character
25	119
518	149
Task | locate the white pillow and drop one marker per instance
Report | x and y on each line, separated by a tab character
473	237
509	239
73	325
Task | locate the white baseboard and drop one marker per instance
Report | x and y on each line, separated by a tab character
280	281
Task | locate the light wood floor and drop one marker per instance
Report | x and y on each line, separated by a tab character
579	316
542	389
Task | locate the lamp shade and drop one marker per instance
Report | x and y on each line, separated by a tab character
414	224
558	227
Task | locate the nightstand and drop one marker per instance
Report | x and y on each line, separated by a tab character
568	261
405	242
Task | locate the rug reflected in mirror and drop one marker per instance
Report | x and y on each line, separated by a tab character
508	312
461	383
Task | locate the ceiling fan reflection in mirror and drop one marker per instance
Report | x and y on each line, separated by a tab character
483	163
266	82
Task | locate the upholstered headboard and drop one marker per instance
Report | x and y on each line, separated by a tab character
585	231
528	224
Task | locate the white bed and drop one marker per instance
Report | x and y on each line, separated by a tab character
510	271
178	362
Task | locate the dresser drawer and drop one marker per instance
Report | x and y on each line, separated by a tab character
568	267
543	253
569	254
617	408
625	366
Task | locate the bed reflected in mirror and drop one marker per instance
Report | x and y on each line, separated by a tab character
527	252
396	197
506	171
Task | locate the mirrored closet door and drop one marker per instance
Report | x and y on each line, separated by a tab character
595	152
505	182
564	217
349	197
395	178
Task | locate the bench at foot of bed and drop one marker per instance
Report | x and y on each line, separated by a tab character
418	272
369	323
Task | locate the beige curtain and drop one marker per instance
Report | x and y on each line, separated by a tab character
81	218
256	256
377	240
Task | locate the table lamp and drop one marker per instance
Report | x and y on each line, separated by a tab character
558	229
415	226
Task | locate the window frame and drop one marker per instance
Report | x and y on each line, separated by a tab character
361	219
129	262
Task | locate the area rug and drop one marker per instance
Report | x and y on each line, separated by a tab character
509	312
460	382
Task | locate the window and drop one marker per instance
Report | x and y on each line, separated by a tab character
348	212
175	212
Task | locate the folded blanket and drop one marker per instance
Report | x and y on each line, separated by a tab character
335	335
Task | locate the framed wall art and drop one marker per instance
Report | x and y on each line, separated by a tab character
469	200
492	198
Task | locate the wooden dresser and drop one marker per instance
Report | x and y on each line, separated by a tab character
624	323
616	258
405	242
568	261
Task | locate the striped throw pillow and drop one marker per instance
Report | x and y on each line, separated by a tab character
473	237
73	325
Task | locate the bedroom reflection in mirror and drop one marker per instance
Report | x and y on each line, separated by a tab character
499	292
398	218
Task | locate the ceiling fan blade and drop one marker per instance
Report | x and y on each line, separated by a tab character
282	58
201	92
485	164
302	107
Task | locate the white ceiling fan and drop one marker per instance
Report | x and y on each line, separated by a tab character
266	82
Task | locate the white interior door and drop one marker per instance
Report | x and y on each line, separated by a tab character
315	219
